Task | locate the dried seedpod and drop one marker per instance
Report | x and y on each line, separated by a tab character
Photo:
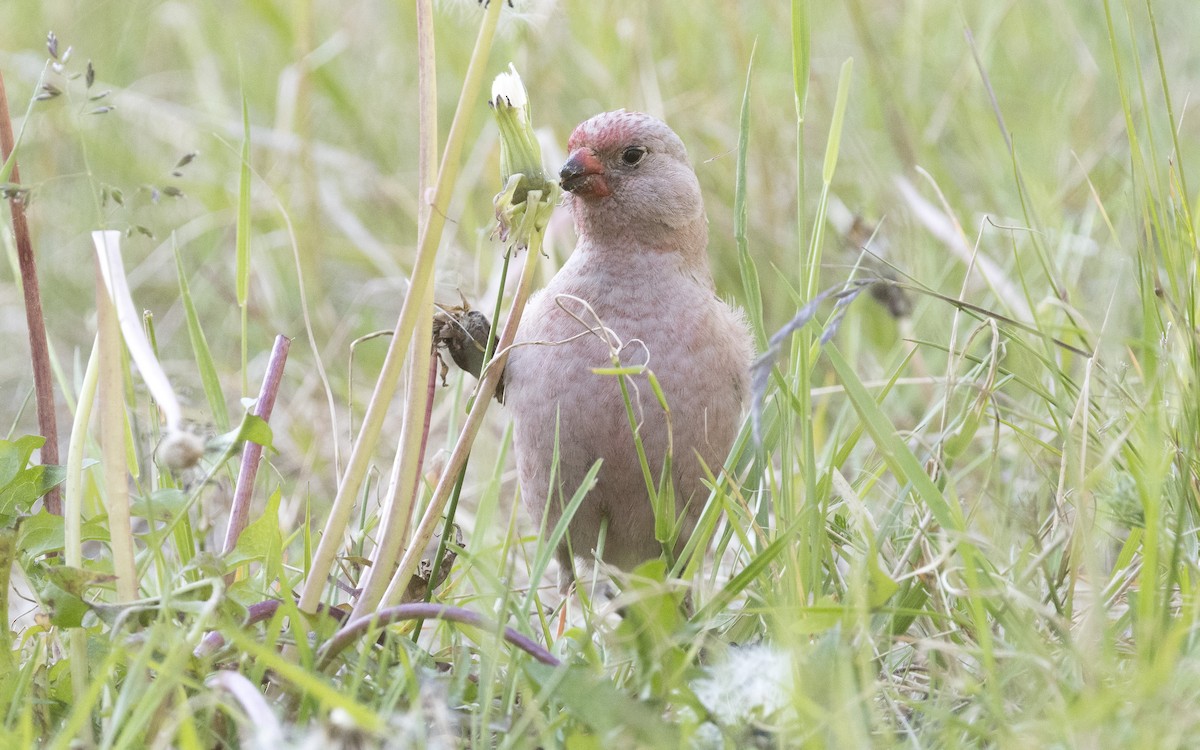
861	233
419	586
463	333
180	450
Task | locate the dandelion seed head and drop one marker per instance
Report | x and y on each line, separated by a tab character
514	14
753	683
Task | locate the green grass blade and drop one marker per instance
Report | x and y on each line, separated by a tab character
204	359
749	270
551	543
243	237
895	452
839	116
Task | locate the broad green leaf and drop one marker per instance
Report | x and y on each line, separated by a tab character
10	462
43	533
162	505
255	430
19	494
261	540
910	605
66	610
251	428
27	444
76	581
823	614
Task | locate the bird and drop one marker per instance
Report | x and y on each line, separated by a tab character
638	286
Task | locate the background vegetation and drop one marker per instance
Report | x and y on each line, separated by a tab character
959	530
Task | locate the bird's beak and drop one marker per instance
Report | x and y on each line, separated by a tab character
583	174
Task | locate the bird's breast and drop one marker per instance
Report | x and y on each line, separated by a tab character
656	315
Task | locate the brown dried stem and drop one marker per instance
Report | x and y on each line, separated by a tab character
39	351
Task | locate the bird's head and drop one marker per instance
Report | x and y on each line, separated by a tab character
628	173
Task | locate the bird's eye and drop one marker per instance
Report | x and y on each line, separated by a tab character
633	155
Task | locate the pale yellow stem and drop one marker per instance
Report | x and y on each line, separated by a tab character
73	516
411	314
402	490
458	458
112	443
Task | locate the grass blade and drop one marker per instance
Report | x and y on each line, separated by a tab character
204	360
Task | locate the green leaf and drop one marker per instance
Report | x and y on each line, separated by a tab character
66	610
40	534
582	741
959	440
22	490
818	617
19	494
746	264
25	445
162	505
52	476
43	533
880	585
801	54
896	454
76	581
652	622
255	430
251	428
750	573
261	541
243	214
835	126
544	551
204	360
911	604
598	704
10	462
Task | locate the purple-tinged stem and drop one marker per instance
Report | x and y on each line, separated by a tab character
255	613
244	491
425	611
416	611
39	351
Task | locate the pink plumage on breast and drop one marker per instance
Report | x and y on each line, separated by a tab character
641	267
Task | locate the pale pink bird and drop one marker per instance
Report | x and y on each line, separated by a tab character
640	270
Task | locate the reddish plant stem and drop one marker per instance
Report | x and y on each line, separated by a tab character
240	512
255	613
432	388
265	610
39	352
424	611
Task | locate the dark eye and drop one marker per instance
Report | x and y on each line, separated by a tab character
633	155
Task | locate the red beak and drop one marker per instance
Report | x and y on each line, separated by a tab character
583	174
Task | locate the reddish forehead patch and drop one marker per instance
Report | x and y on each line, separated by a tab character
608	129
